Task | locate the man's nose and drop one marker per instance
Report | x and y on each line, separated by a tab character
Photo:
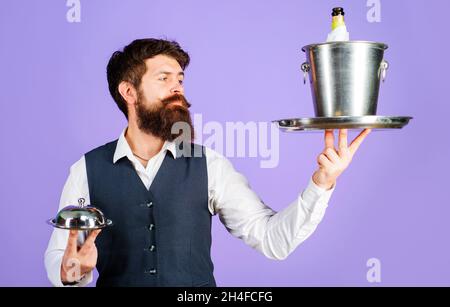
177	89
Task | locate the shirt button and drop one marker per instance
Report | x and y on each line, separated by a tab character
151	226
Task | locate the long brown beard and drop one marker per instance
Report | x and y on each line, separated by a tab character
160	119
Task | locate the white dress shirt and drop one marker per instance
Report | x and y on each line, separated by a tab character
245	216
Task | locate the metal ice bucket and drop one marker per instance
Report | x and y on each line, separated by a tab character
345	77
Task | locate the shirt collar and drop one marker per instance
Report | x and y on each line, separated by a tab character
123	148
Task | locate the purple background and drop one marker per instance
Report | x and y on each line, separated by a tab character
390	204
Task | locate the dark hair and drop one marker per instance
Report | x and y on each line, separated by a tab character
129	64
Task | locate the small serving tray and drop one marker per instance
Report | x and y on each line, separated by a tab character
343	122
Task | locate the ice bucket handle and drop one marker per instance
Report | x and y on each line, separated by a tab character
305	68
383	68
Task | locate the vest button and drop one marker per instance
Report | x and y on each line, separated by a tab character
151	226
146	204
152	271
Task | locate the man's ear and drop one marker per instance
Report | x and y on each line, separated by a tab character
128	92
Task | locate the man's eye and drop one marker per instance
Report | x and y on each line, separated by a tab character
163	78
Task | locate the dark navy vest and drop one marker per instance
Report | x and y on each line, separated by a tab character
160	236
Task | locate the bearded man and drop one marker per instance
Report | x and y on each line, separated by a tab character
161	199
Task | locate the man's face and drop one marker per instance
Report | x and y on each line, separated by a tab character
163	78
161	102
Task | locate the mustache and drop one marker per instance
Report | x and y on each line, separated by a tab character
174	98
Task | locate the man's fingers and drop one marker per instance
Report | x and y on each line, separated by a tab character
324	161
92	236
331	155
329	139
358	140
343	139
72	242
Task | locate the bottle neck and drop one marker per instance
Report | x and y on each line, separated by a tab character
337	21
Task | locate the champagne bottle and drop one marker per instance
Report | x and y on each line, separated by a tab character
338	27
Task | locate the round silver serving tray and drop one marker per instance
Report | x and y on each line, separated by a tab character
80	218
343	122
